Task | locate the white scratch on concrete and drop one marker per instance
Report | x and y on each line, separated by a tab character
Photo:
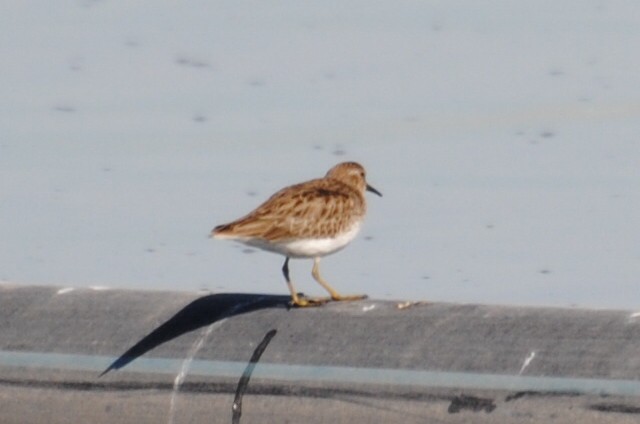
99	287
527	361
65	290
633	318
409	304
368	308
186	364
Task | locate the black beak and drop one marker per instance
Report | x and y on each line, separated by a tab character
373	190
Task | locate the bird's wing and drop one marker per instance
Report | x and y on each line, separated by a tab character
300	211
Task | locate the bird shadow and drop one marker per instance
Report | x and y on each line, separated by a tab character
199	313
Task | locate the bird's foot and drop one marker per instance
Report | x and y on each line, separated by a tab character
303	302
338	297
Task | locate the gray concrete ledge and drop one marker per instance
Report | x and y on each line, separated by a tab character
180	357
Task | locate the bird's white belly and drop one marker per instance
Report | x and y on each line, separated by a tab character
308	248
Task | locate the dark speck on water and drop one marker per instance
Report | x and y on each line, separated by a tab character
64	108
339	151
329	75
131	43
257	82
190	62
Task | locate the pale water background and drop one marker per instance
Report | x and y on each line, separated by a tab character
505	137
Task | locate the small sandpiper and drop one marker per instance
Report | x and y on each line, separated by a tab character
307	220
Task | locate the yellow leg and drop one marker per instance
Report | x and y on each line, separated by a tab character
315	272
295	299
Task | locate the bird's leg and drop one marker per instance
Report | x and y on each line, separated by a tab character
295	299
285	271
315	272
